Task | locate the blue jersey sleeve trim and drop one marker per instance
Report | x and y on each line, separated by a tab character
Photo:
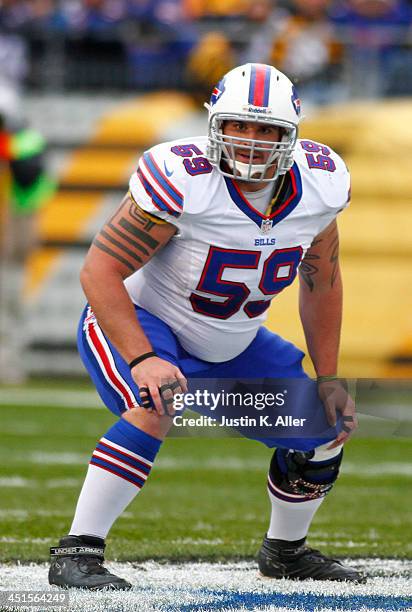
173	193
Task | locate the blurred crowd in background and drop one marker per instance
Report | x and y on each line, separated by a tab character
332	49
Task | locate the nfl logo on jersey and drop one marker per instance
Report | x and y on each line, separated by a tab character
266	226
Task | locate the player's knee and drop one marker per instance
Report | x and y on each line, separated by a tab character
310	473
149	422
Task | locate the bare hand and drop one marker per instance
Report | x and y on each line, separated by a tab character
336	399
160	380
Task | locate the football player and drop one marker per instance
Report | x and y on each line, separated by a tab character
178	284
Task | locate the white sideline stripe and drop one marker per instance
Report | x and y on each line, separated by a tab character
124	466
126	451
7	540
55	458
348	544
16	482
232	464
22	515
48	397
198	586
198	541
387	468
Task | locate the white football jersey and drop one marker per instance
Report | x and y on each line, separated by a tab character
213	282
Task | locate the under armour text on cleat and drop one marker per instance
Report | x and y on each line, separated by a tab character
77	564
294	560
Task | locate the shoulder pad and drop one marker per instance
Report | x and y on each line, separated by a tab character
159	184
325	173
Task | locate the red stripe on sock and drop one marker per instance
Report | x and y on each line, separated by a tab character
115	473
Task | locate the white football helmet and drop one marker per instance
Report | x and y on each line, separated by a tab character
260	93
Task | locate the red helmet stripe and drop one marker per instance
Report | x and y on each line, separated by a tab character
259	85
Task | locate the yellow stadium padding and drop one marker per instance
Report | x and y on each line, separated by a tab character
67	215
370	128
368	229
141	121
39	266
135	124
377	309
374	139
103	168
385	177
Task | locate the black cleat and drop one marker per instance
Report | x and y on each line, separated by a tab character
295	561
76	564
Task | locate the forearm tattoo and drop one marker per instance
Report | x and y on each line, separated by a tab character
126	237
334	257
321	248
308	268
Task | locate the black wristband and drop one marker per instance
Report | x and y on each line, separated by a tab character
141	358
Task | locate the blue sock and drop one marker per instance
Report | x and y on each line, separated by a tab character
118	469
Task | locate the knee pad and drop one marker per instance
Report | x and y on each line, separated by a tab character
310	473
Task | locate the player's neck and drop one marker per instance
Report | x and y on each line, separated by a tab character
246	187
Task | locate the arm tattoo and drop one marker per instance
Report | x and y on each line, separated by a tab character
122	239
125	237
106	249
148	240
147	224
334	259
309	267
120	246
308	270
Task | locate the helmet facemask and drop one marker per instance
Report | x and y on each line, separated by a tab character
222	149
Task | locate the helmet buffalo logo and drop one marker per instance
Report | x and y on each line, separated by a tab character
295	101
217	92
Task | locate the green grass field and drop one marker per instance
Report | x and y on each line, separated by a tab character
205	499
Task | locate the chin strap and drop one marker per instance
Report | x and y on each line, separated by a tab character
243	169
